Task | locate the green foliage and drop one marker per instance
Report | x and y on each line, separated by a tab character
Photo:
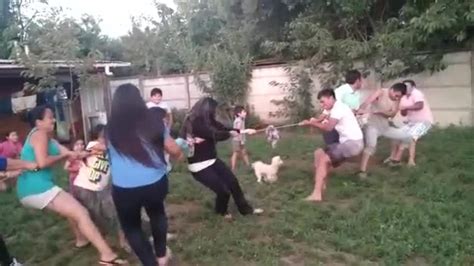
178	119
386	36
297	105
229	78
154	44
5	20
252	120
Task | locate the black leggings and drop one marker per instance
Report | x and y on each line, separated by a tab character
5	258
129	202
220	179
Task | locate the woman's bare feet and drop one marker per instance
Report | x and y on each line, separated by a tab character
81	243
257	211
411	164
228	217
313	198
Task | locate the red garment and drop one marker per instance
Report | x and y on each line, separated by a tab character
10	149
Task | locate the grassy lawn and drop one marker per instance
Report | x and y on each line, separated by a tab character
419	216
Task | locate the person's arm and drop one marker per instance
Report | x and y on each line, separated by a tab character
170	118
39	142
329	126
221	127
322	117
173	149
67	164
371	99
419	100
415	107
208	133
14	164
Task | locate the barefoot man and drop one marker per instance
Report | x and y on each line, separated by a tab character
350	144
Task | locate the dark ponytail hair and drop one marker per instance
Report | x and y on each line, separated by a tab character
37	113
204	110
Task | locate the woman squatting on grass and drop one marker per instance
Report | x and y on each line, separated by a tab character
36	189
136	143
204	164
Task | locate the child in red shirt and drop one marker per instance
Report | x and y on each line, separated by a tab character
11	147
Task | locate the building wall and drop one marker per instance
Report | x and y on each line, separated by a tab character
449	92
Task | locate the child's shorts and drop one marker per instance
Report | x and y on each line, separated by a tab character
100	206
237	146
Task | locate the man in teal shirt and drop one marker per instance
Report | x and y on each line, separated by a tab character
350	95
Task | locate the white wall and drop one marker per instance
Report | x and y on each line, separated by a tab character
449	92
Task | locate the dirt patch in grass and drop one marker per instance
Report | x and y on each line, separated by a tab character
180	215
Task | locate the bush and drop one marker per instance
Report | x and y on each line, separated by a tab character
297	104
178	119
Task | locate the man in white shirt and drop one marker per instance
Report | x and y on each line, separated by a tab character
156	100
348	94
350	143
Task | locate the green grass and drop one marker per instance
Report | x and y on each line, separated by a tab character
419	216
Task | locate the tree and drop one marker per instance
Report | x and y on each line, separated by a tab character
5	20
386	36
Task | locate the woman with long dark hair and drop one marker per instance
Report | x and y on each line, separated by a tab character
136	144
36	189
204	164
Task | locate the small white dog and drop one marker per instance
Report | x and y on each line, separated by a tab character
267	172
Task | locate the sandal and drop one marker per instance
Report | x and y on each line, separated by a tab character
116	261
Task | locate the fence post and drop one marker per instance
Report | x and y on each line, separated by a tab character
188	93
472	84
141	88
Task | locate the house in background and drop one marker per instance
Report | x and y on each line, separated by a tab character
74	115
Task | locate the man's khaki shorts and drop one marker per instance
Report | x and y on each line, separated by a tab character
339	152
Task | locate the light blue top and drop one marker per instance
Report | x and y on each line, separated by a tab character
129	173
35	182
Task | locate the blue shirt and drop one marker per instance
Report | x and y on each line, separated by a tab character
129	173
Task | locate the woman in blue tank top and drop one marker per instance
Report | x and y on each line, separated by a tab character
136	142
36	189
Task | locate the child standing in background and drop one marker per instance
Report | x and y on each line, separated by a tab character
238	142
92	186
11	147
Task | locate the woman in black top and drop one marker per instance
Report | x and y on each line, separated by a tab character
204	164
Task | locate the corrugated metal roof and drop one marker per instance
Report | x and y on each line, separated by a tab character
12	64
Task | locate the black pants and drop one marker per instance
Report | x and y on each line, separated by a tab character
129	202
331	137
5	258
220	179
